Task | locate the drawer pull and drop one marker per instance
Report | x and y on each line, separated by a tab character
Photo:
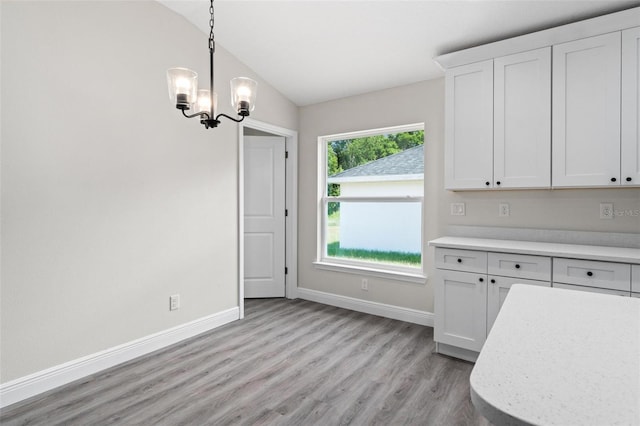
481	280
459	260
517	266
493	281
589	274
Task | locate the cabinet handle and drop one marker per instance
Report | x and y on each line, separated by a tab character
517	266
493	281
487	183
613	179
481	280
498	183
459	260
628	179
589	274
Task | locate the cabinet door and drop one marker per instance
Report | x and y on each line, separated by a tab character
586	112
497	292
469	126
630	160
522	120
460	307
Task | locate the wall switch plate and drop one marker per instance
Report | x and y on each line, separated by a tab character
457	209
503	210
606	210
174	302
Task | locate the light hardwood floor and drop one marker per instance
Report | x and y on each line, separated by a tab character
289	362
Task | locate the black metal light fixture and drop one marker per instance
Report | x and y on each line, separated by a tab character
183	90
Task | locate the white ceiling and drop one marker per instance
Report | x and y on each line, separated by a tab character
314	51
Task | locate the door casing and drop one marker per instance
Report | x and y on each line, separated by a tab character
291	204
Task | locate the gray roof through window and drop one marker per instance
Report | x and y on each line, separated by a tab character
407	162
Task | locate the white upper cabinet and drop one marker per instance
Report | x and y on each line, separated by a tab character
558	108
498	123
586	112
469	126
522	120
630	159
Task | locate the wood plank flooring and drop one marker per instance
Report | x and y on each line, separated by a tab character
289	362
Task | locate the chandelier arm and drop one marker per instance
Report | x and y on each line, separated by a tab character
230	118
203	115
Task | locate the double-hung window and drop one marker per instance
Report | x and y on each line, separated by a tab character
370	192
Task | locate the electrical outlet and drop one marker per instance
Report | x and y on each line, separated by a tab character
606	210
503	210
365	284
174	302
457	209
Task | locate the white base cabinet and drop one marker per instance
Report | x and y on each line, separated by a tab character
471	285
470	288
461	309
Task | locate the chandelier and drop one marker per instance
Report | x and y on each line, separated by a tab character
183	90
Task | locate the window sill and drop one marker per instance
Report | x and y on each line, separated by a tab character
374	272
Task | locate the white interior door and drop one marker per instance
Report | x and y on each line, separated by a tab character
264	216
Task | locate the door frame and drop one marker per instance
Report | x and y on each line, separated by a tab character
291	204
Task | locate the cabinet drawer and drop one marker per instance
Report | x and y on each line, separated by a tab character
461	260
520	266
592	289
635	278
606	275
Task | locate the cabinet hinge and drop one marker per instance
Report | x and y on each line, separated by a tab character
286	212
286	154
286	270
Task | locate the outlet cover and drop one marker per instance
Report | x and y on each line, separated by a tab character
174	302
503	210
606	210
457	209
365	284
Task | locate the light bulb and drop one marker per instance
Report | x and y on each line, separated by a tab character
203	103
243	95
182	84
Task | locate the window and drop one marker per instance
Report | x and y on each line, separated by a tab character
371	187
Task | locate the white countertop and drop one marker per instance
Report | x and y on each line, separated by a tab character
575	251
560	357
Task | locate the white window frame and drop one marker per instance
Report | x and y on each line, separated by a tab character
396	272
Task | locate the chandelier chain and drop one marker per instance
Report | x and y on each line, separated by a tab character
211	21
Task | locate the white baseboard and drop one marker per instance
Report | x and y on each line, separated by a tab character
381	309
25	387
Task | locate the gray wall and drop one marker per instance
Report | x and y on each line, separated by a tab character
111	201
575	209
421	102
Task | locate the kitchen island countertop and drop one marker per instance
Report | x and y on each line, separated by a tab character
561	357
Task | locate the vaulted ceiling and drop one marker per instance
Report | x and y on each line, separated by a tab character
314	51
